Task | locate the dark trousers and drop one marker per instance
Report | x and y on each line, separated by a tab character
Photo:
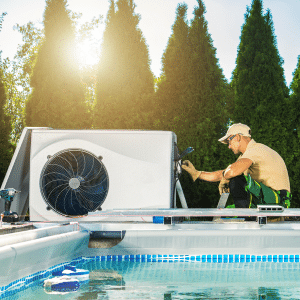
237	190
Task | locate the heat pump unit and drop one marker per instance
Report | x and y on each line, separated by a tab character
75	172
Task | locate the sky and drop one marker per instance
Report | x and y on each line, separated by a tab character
225	19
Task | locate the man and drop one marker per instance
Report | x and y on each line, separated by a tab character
259	176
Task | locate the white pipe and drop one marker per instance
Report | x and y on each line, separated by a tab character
181	194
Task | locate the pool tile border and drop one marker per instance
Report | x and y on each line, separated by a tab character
210	258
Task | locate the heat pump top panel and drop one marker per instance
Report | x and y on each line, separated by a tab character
73	172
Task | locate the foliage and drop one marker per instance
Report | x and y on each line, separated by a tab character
261	95
258	79
193	97
5	128
57	99
174	80
1	19
294	138
27	52
17	72
14	103
6	148
85	36
295	100
16	76
124	80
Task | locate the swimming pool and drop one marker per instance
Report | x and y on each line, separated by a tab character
176	277
201	258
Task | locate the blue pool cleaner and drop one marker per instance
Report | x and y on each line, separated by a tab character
61	285
73	272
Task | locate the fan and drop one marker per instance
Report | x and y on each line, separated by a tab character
74	182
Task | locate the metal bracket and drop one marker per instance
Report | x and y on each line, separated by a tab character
222	202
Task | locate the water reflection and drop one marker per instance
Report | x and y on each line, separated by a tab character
184	280
261	293
101	281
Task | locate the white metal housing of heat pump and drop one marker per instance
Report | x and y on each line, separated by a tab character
74	172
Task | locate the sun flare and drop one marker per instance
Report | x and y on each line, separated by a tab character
87	53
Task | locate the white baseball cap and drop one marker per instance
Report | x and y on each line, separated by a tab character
237	128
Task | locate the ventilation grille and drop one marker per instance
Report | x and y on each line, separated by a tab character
74	182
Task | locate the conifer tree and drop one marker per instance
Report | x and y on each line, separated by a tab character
124	78
295	100
258	79
293	138
261	96
5	129
193	92
207	99
57	99
174	78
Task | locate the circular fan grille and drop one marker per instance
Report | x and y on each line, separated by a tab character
74	182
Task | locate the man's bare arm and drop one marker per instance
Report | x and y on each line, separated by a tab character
237	168
211	176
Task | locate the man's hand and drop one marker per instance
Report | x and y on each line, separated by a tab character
188	166
224	186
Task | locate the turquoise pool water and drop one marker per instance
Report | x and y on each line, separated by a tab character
178	279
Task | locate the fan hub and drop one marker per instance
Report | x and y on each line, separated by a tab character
74	183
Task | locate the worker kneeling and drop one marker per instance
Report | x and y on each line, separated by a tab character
258	177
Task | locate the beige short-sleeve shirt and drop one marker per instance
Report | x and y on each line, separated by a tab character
268	166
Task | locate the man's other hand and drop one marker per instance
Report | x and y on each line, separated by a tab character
224	186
